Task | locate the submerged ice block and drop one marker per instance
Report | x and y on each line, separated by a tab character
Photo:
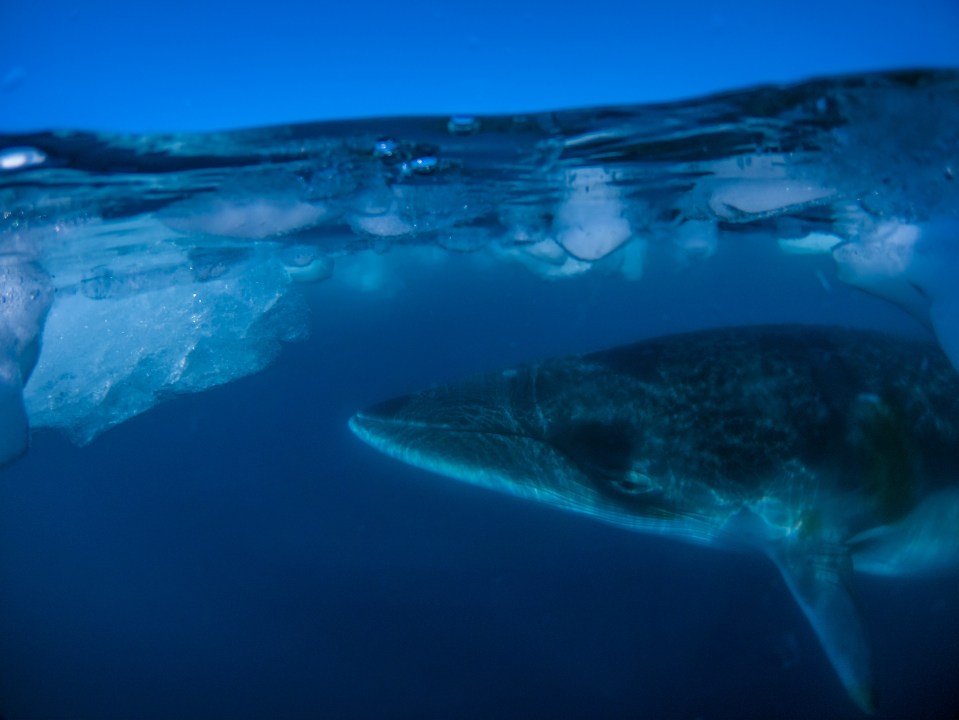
24	301
111	356
913	266
14	428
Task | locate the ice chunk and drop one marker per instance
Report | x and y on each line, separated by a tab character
378	213
24	301
696	239
21	158
547	250
387	224
913	267
934	273
14	429
248	218
305	264
744	200
106	360
546	258
812	244
879	263
590	223
571	267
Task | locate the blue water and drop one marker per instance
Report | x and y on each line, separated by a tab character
238	553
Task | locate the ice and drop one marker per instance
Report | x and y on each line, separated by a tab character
935	273
106	360
590	223
244	218
20	158
306	264
748	200
24	301
696	239
14	426
380	216
815	243
166	264
913	266
882	262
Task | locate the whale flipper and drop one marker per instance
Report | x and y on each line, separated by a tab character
944	315
819	578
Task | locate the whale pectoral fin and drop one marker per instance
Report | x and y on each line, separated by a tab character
819	577
14	430
944	315
930	273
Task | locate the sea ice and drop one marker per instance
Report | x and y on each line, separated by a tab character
912	266
170	263
252	219
25	298
106	360
750	199
590	223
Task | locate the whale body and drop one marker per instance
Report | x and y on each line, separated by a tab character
828	450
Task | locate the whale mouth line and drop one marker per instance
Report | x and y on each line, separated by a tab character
364	425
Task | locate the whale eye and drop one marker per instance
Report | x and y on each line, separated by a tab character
632	483
604	448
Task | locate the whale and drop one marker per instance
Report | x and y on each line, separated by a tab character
832	451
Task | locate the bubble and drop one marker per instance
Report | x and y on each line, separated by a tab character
21	158
424	165
462	125
385	148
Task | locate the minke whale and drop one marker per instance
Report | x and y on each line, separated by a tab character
828	450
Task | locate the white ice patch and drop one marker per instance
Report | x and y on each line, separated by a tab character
934	271
911	266
21	158
744	200
696	239
879	263
571	267
254	219
545	258
379	214
885	252
814	243
548	251
589	222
